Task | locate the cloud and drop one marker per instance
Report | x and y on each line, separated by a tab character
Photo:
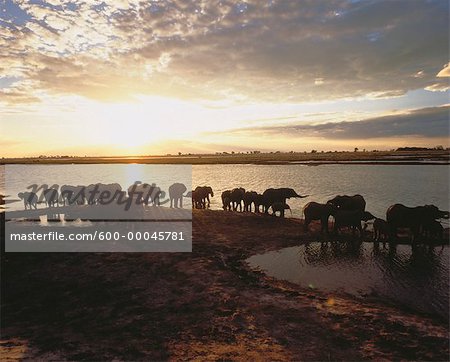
273	51
425	122
445	72
438	87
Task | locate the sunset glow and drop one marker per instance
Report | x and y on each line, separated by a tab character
128	78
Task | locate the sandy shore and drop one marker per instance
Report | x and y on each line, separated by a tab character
204	305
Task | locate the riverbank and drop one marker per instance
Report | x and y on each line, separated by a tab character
204	305
272	158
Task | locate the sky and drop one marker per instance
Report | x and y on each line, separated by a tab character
130	77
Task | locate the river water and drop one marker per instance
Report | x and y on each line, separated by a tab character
415	278
381	185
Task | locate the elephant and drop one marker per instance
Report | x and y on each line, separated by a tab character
355	202
202	194
226	200
138	192
90	194
351	219
144	193
108	193
258	201
279	206
73	194
153	196
249	199
315	211
176	192
434	230
30	199
197	200
380	229
51	197
271	196
236	197
413	218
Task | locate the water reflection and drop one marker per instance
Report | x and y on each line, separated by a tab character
416	277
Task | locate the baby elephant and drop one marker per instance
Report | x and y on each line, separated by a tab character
380	230
280	206
30	199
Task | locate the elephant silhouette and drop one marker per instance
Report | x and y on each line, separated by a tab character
345	202
176	192
249	198
51	197
226	200
200	196
351	219
271	196
280	207
30	199
380	230
237	197
413	218
73	194
315	211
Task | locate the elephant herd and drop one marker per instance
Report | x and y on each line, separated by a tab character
275	199
238	199
104	194
349	211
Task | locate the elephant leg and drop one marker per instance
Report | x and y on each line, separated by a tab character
305	225
324	225
335	228
360	229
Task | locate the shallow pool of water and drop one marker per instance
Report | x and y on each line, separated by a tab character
418	279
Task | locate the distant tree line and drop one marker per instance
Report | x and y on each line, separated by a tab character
440	148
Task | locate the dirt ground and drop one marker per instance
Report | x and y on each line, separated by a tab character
204	305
